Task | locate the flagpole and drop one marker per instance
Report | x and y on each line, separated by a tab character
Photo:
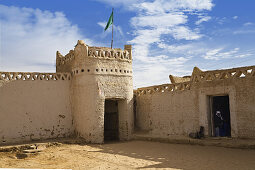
112	29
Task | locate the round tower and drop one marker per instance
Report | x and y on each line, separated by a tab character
102	91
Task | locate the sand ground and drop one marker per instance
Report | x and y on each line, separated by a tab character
133	155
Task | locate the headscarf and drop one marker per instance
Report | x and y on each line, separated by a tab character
219	115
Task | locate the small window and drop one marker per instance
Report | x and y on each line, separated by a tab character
82	70
88	70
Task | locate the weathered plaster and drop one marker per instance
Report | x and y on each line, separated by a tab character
181	108
48	105
36	106
99	74
34	110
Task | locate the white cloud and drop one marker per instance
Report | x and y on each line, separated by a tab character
159	6
164	17
221	21
157	69
244	31
116	29
235	17
181	32
184	49
203	19
175	48
102	24
156	5
219	53
31	37
153	21
213	54
248	24
159	20
243	55
126	4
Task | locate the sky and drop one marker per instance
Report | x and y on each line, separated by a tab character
167	36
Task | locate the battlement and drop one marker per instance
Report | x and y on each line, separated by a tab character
241	72
163	88
108	53
93	59
197	77
62	60
34	76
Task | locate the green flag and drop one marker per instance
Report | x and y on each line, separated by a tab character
110	21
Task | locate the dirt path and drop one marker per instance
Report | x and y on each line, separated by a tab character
133	155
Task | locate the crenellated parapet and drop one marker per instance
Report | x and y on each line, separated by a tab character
163	88
241	72
175	79
108	53
198	76
62	60
84	59
64	63
32	76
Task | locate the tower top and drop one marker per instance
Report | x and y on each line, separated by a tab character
83	54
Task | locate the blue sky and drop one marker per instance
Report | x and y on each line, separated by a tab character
168	36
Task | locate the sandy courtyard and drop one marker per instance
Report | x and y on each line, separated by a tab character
134	155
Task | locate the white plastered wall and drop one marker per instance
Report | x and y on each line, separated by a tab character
89	95
181	112
34	110
168	113
95	79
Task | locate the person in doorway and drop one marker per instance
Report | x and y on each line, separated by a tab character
219	124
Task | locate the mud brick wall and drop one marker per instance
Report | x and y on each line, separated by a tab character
34	106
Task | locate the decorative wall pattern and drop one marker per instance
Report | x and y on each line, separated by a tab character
242	72
163	88
34	76
109	53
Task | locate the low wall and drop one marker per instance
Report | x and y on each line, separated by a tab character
170	109
181	108
34	106
245	107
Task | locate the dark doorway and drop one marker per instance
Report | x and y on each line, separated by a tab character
221	116
111	120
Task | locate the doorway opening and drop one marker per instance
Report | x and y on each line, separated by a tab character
220	116
111	120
